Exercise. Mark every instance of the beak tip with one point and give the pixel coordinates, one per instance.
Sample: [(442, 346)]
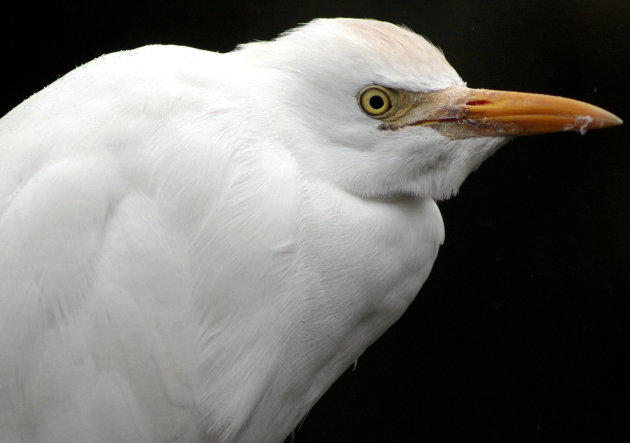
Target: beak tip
[(591, 117), (599, 120), (609, 120), (617, 121)]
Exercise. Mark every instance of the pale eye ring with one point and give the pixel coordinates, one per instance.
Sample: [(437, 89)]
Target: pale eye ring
[(375, 100)]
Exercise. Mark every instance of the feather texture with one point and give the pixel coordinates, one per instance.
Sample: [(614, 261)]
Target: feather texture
[(181, 258)]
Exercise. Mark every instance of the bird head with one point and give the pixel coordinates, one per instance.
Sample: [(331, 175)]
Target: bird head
[(377, 110)]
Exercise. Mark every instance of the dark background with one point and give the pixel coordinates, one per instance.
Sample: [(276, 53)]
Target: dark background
[(521, 332)]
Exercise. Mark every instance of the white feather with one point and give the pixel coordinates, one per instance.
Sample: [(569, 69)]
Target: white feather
[(194, 245)]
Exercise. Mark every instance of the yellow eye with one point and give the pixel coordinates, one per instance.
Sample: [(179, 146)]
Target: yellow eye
[(375, 100)]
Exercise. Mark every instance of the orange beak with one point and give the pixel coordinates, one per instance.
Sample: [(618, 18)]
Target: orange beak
[(460, 112)]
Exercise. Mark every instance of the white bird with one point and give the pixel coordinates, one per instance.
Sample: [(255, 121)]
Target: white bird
[(194, 246)]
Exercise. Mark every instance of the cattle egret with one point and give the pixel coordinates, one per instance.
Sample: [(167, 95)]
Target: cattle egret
[(195, 245)]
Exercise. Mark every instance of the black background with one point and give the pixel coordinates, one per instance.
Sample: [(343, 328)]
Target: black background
[(521, 332)]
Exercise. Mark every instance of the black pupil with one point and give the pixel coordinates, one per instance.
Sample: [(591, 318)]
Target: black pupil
[(377, 102)]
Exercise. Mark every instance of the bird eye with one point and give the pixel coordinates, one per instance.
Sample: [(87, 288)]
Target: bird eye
[(375, 101)]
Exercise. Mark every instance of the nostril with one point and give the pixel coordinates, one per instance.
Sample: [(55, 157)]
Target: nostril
[(477, 102)]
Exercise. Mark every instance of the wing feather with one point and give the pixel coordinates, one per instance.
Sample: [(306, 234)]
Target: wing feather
[(121, 211)]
